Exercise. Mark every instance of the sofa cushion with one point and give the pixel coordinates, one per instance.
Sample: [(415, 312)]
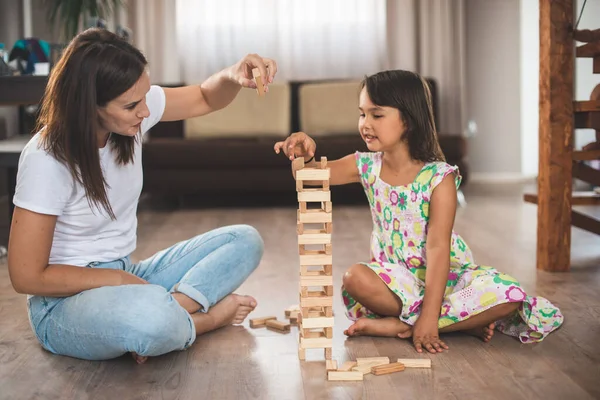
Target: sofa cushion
[(329, 108), (248, 115)]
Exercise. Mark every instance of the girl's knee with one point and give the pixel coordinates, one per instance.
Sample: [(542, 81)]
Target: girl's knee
[(356, 278)]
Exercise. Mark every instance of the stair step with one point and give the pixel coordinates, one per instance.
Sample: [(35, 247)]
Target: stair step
[(577, 199), (587, 105), (586, 35), (588, 50), (586, 155)]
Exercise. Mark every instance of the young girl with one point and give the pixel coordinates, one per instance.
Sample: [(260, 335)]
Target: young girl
[(422, 279), (74, 225)]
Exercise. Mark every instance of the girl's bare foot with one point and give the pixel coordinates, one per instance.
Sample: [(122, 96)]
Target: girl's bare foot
[(139, 359), (387, 327), (486, 333), (233, 309)]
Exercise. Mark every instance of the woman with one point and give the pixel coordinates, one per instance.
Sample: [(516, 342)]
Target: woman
[(74, 225)]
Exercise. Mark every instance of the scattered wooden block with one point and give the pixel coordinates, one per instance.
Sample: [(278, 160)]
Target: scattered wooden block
[(291, 309), (278, 325), (387, 368), (415, 362), (365, 368), (372, 360), (260, 322), (344, 376), (259, 83), (347, 366), (330, 365)]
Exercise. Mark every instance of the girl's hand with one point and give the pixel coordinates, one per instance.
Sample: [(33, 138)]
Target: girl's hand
[(298, 144), (241, 72), (425, 335)]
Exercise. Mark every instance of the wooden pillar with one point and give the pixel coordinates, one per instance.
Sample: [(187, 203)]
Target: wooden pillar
[(555, 135)]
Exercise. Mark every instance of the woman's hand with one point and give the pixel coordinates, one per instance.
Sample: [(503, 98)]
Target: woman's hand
[(241, 72), (298, 144), (425, 335)]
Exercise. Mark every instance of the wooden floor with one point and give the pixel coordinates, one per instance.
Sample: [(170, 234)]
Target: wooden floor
[(239, 362)]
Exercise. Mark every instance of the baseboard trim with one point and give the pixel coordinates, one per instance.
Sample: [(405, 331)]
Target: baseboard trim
[(502, 177)]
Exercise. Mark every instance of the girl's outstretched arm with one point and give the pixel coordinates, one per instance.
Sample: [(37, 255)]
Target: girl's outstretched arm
[(442, 211), (299, 144)]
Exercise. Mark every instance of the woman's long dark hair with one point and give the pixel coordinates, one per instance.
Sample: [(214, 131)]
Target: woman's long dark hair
[(409, 93), (95, 68)]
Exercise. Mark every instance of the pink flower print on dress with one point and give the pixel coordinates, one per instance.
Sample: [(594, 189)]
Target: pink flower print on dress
[(515, 294), (414, 262), (394, 197), (413, 196), (445, 310), (385, 277), (415, 307)]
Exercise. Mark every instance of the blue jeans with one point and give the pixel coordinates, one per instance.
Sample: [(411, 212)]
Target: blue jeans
[(109, 321)]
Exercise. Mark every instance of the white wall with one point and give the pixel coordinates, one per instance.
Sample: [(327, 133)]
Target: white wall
[(530, 75), (493, 88)]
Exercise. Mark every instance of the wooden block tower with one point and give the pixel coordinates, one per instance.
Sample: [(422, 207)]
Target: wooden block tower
[(315, 319)]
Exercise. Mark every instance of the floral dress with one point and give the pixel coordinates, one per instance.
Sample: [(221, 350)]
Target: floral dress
[(398, 257)]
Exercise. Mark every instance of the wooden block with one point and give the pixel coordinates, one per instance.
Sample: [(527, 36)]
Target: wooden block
[(365, 368), (315, 343), (259, 82), (415, 362), (278, 325), (260, 322), (297, 164), (347, 366), (315, 217), (319, 322), (314, 238), (301, 354), (329, 311), (317, 301), (299, 186), (314, 195), (327, 206), (329, 227), (323, 162), (325, 185), (294, 308), (344, 376), (318, 259), (387, 369), (300, 228), (372, 360), (313, 174), (330, 365), (328, 353), (328, 248), (319, 280)]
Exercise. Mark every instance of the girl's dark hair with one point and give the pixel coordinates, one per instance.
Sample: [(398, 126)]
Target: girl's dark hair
[(95, 68), (409, 93)]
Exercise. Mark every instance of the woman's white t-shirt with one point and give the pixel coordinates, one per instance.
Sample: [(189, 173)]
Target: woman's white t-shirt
[(85, 233)]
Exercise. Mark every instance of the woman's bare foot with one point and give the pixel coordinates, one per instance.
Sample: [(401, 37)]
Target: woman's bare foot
[(139, 359), (486, 333), (233, 309), (387, 327)]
